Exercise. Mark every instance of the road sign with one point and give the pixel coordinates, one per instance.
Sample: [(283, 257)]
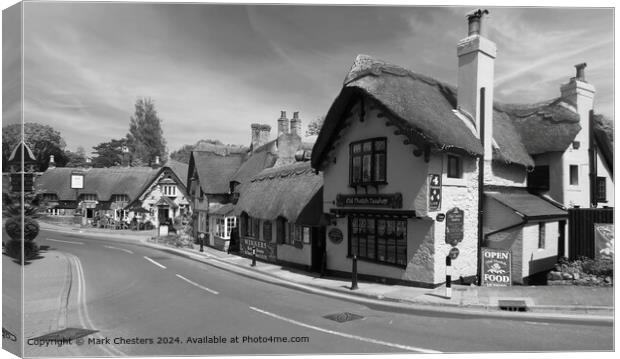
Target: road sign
[(434, 192)]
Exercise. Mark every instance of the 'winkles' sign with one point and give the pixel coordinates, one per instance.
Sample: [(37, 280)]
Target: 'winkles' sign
[(496, 267)]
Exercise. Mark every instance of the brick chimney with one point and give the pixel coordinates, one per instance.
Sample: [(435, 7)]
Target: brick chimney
[(296, 124), (260, 135), (283, 124), (476, 63)]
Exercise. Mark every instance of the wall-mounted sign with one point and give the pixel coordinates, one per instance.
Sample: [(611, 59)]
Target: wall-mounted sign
[(264, 250), (454, 226), (77, 180), (392, 200), (496, 264), (454, 253), (434, 192), (440, 217), (335, 235)]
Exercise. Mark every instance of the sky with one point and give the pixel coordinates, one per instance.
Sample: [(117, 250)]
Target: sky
[(212, 70)]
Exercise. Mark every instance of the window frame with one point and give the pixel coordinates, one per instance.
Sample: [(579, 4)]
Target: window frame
[(398, 241), (542, 235), (459, 163), (601, 189), (573, 181), (373, 152)]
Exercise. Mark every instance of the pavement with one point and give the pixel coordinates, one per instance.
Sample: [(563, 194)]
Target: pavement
[(574, 303)]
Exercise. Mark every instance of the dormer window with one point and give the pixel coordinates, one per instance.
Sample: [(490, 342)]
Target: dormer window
[(368, 162)]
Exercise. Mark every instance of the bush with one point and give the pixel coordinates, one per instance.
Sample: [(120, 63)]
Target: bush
[(13, 228), (602, 267), (14, 249)]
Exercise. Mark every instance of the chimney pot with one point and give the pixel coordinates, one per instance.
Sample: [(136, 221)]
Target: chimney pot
[(474, 20), (581, 73)]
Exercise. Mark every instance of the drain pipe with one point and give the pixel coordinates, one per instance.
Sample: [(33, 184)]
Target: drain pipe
[(481, 187)]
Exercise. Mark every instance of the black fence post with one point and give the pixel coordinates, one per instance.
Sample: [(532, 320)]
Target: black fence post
[(354, 274), (253, 256), (448, 277)]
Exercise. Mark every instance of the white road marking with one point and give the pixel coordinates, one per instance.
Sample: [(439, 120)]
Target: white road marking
[(120, 249), (350, 336), (536, 323), (83, 316), (58, 240), (152, 261), (197, 285)]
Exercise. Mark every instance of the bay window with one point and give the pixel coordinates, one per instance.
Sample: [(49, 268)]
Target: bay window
[(378, 239)]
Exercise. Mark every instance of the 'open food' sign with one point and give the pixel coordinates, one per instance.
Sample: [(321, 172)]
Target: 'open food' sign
[(496, 267)]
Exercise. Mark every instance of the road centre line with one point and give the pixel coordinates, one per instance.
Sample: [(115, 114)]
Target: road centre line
[(350, 336), (152, 261), (58, 240), (120, 249), (197, 285)]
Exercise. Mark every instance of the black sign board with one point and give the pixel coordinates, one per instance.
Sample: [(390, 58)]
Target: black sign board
[(434, 192), (454, 253), (454, 226), (392, 200), (496, 264), (264, 250), (440, 217), (335, 235)]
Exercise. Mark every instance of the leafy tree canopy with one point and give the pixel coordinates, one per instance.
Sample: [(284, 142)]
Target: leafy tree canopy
[(108, 154), (43, 140), (314, 127), (146, 138), (182, 154)]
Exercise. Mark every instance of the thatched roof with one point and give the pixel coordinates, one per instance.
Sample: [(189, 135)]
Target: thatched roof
[(544, 127), (604, 138), (423, 108), (292, 191), (214, 171), (180, 169), (264, 157), (104, 182)]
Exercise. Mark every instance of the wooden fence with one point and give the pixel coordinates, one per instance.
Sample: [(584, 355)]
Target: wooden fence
[(581, 229)]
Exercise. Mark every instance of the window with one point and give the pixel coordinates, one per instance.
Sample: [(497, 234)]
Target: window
[(298, 233), (539, 178), (224, 226), (455, 168), (574, 175), (120, 198), (169, 190), (378, 239), (50, 197), (368, 162), (89, 197), (250, 225), (282, 231), (601, 189), (267, 228), (541, 235)]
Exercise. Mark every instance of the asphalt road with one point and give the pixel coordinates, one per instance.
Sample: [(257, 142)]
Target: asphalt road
[(127, 291)]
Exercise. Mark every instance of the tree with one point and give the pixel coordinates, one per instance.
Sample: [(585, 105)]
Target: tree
[(108, 154), (146, 138), (182, 154), (76, 159), (43, 140), (314, 127)]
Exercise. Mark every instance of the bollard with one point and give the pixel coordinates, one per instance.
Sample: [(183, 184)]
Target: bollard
[(448, 277), (253, 256), (354, 274)]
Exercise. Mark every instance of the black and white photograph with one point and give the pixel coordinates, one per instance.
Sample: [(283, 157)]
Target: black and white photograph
[(241, 179)]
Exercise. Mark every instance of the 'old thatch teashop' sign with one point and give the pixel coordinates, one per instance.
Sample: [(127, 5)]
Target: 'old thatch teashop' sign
[(392, 200), (454, 226), (496, 267)]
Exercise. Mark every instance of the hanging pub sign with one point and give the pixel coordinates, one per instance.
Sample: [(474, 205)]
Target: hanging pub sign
[(454, 226), (496, 265), (77, 180), (392, 200), (434, 192)]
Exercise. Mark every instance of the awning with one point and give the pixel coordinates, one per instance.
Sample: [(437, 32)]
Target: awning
[(165, 201), (527, 205)]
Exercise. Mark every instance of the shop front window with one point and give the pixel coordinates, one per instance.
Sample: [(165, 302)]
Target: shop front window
[(378, 239), (368, 162)]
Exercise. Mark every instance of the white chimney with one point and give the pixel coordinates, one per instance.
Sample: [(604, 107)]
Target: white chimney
[(476, 58), (579, 93), (52, 163)]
